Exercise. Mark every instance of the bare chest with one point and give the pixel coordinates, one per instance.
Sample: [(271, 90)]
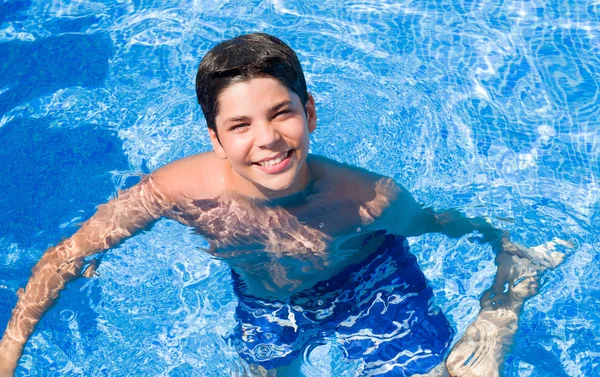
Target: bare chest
[(275, 249), (237, 223)]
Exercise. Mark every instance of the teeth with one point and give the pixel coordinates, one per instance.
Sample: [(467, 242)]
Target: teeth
[(274, 161)]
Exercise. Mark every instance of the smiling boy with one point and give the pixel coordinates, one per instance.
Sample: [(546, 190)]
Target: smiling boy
[(316, 248)]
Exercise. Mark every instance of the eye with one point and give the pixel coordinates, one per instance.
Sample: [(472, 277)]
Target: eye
[(282, 112), (239, 127)]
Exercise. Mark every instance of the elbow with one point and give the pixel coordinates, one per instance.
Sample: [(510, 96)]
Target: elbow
[(57, 267)]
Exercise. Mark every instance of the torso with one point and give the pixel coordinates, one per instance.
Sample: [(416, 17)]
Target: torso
[(282, 249)]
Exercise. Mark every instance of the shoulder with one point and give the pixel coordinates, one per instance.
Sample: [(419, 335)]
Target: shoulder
[(370, 192), (352, 184), (196, 176), (340, 174), (378, 197)]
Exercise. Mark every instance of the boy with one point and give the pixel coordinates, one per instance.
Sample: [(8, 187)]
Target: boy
[(315, 247)]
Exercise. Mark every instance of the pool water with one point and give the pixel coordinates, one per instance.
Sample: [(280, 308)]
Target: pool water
[(490, 107)]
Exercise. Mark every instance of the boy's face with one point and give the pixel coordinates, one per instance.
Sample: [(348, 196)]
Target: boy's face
[(264, 134)]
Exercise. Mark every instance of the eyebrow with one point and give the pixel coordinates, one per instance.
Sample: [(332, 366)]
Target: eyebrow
[(244, 118), (237, 119), (279, 106)]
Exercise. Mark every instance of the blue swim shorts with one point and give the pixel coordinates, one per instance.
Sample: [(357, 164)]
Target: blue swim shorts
[(379, 310)]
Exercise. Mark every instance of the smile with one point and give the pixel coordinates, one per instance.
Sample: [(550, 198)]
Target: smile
[(276, 163), (275, 160)]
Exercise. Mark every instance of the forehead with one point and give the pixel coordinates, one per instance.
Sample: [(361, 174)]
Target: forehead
[(249, 96)]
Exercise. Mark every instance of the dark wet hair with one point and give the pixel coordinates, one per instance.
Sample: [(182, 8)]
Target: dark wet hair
[(243, 58)]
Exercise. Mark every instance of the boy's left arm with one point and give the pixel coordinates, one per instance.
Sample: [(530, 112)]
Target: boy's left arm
[(404, 216)]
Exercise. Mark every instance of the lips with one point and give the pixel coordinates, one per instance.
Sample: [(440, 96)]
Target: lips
[(275, 164), (270, 161)]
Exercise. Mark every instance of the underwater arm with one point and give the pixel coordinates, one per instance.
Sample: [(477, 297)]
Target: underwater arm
[(455, 224), (451, 223), (406, 217), (112, 223)]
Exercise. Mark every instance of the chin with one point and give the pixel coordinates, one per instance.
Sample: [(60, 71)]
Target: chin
[(278, 188), (279, 185)]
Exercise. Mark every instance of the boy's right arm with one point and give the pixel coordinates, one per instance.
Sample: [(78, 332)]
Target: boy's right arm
[(113, 222)]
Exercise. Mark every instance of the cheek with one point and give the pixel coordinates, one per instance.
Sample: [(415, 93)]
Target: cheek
[(305, 137), (238, 152), (300, 134)]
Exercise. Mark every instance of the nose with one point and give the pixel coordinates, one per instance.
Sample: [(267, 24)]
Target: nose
[(266, 135)]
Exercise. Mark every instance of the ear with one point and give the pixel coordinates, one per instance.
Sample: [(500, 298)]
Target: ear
[(214, 139), (311, 113)]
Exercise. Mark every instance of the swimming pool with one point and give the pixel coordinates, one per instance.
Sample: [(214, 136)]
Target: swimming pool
[(490, 107)]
